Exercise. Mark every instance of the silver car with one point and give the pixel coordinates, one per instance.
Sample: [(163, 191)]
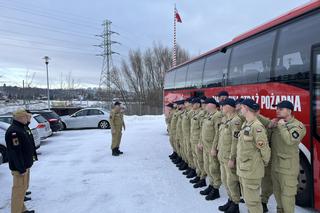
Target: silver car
[(3, 147), (43, 126), (87, 118), (33, 126)]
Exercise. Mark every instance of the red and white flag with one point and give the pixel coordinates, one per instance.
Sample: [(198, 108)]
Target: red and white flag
[(178, 18)]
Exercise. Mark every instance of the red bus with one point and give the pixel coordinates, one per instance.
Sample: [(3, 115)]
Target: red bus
[(279, 60)]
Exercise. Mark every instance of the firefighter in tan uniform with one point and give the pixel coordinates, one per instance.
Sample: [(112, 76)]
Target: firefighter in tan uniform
[(195, 131), (253, 154), (227, 150), (209, 134), (169, 115), (287, 133), (199, 146), (179, 136), (116, 123), (266, 183), (173, 133), (186, 123)]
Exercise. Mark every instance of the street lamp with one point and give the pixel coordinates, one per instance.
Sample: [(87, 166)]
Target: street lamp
[(46, 60)]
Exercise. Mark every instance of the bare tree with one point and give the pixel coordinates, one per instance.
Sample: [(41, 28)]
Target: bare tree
[(143, 74)]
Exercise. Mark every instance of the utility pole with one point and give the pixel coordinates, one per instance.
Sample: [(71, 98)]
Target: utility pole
[(107, 42), (46, 61)]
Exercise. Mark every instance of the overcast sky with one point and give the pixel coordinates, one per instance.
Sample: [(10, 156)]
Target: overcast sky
[(65, 31)]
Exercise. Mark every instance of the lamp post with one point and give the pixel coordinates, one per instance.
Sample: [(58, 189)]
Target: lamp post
[(46, 60)]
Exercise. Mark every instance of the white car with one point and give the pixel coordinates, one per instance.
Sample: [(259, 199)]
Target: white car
[(87, 118), (43, 126), (37, 122), (3, 147)]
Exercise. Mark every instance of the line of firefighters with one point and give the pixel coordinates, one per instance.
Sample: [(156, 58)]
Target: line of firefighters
[(230, 143)]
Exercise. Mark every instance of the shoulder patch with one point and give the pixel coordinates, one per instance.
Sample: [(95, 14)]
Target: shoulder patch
[(259, 130), (15, 141), (295, 134), (260, 144), (236, 134)]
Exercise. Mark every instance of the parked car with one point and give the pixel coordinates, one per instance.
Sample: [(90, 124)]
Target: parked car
[(87, 118), (6, 120), (43, 126), (52, 117), (3, 147)]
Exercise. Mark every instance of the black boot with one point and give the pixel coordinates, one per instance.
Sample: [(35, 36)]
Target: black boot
[(187, 171), (27, 198), (114, 152), (177, 160), (180, 164), (29, 211), (265, 207), (200, 183), (195, 180), (28, 193), (119, 152), (214, 194), (233, 208), (225, 206), (191, 174), (173, 155), (183, 167), (207, 190)]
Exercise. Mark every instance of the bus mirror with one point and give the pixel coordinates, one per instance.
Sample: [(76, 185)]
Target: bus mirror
[(223, 50)]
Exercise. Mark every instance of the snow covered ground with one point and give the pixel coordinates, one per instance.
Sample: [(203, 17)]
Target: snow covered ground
[(77, 174)]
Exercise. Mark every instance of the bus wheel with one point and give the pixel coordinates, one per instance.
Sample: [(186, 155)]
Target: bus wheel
[(304, 193)]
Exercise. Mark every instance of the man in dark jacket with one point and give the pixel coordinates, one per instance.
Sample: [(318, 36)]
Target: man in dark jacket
[(20, 155)]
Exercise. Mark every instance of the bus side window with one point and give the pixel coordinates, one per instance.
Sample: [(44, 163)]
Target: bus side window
[(251, 60), (293, 51)]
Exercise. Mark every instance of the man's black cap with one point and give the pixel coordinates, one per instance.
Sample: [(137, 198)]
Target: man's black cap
[(117, 103), (189, 100), (170, 105), (196, 101), (223, 93), (229, 101), (284, 104), (239, 100), (203, 98), (180, 102), (251, 104), (212, 101)]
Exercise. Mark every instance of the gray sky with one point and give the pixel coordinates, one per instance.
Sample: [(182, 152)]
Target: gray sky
[(65, 31)]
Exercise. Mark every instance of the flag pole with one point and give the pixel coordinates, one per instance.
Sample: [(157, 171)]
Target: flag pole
[(174, 60)]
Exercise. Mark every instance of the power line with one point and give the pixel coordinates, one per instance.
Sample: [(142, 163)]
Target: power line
[(40, 24), (47, 38), (55, 12), (41, 43), (46, 49), (28, 24), (30, 12)]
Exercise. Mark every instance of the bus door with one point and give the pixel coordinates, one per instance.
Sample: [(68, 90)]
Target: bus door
[(315, 122)]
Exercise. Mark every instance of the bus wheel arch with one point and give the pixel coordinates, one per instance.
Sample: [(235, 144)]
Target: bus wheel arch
[(304, 193)]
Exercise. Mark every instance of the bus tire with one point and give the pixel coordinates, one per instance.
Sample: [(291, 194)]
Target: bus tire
[(304, 193)]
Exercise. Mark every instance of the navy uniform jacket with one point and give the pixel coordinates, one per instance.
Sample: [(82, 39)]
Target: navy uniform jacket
[(20, 147)]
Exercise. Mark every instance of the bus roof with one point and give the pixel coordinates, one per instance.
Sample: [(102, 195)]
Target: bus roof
[(277, 21)]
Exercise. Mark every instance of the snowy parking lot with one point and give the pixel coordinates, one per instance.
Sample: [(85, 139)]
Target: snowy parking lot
[(77, 174)]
